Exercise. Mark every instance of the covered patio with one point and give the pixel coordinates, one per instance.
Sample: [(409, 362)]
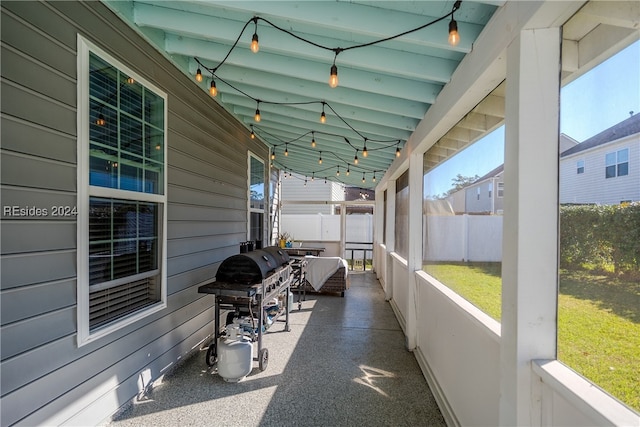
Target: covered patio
[(134, 163), (344, 363)]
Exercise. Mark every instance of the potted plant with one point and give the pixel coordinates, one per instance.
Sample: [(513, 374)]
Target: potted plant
[(284, 238)]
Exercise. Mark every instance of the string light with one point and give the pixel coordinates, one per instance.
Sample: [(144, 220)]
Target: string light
[(398, 149), (355, 159), (363, 180), (374, 177), (273, 155), (454, 37), (365, 153), (320, 159), (213, 90), (313, 140), (255, 47), (257, 116), (333, 76), (286, 150), (338, 171), (323, 116), (348, 170)]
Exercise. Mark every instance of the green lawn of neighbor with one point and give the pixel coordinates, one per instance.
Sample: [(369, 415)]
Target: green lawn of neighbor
[(598, 321)]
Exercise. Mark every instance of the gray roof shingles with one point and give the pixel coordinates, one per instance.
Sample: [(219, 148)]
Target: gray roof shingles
[(626, 127)]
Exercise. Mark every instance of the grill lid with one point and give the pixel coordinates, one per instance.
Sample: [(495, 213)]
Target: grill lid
[(280, 256), (246, 268)]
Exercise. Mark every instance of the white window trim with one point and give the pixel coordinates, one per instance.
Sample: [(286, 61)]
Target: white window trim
[(264, 210), (84, 336)]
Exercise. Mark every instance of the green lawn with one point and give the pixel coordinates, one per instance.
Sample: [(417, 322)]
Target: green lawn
[(598, 321)]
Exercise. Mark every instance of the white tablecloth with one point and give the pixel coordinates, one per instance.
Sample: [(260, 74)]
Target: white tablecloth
[(319, 269)]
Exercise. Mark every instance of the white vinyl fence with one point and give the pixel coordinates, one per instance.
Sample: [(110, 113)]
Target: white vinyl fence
[(476, 238)]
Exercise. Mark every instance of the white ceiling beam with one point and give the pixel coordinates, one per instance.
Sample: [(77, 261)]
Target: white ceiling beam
[(356, 117), (244, 78), (337, 127), (364, 23), (207, 29), (290, 67)]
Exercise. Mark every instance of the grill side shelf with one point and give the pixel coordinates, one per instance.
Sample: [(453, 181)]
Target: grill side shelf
[(228, 289)]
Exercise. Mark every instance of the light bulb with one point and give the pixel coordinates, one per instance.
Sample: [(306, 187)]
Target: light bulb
[(355, 159), (320, 159), (198, 75), (365, 153), (273, 155), (347, 170), (333, 78), (454, 37), (397, 151), (338, 172), (130, 80), (286, 151), (255, 47), (323, 117), (100, 121), (257, 116), (213, 90), (253, 135)]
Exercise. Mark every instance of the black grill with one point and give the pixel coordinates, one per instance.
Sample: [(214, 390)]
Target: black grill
[(251, 267)]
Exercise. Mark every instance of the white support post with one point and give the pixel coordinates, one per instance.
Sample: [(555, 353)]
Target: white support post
[(390, 238), (414, 259), (530, 245)]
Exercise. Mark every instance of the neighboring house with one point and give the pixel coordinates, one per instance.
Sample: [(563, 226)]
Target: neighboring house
[(604, 169), (485, 195), (310, 189)]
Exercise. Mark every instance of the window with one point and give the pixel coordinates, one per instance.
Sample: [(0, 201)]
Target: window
[(490, 189), (401, 242), (598, 290), (121, 195), (617, 163), (580, 166), (462, 245), (256, 199), (501, 189)]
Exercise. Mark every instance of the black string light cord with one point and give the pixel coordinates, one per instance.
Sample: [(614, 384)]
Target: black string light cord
[(336, 51), (303, 147)]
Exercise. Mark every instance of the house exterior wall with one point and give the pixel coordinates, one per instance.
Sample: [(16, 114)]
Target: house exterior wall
[(592, 186), (293, 189), (47, 379), (479, 198)]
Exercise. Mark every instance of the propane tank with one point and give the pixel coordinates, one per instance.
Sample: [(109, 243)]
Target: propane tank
[(235, 355)]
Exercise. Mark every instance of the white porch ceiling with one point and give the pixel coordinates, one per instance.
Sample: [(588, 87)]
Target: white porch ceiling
[(385, 89)]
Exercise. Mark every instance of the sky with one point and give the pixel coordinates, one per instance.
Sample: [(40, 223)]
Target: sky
[(590, 104)]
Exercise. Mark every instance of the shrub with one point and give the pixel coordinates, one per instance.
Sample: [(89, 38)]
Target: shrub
[(600, 237)]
